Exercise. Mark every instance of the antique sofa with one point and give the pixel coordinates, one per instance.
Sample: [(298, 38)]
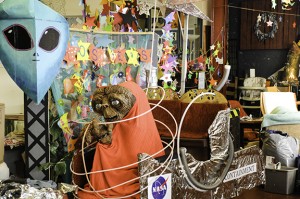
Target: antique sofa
[(194, 131)]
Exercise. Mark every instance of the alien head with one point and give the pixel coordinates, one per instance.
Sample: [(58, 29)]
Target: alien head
[(33, 41)]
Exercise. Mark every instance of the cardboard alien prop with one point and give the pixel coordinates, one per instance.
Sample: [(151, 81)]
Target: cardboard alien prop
[(33, 41)]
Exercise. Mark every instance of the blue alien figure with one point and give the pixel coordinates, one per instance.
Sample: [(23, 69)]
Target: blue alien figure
[(33, 42)]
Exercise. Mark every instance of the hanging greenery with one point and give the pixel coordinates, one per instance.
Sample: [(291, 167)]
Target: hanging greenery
[(270, 20)]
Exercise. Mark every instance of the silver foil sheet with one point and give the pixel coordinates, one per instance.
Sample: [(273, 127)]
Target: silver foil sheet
[(229, 189), (24, 191)]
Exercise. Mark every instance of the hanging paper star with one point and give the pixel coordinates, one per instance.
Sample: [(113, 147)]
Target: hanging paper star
[(212, 47), (106, 9), (215, 53), (207, 61), (212, 82), (200, 59), (211, 68), (127, 18), (70, 56), (145, 55), (132, 57), (103, 41), (83, 55), (130, 39), (259, 18), (170, 17), (117, 18), (167, 67), (107, 28), (166, 78), (90, 22), (273, 4), (171, 58), (167, 27), (280, 19), (190, 75), (218, 45), (144, 7), (269, 23), (120, 58), (219, 60)]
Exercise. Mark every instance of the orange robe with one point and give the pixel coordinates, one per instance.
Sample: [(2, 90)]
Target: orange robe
[(128, 140)]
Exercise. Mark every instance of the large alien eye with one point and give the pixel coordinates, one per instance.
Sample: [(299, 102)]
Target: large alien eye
[(18, 37), (115, 102), (49, 40)]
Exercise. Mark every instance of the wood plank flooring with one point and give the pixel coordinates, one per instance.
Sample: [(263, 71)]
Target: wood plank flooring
[(259, 193)]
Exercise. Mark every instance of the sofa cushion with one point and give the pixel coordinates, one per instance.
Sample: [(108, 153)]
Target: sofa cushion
[(160, 114), (198, 119)]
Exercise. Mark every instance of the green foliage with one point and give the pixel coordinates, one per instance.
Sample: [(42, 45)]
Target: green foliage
[(58, 153)]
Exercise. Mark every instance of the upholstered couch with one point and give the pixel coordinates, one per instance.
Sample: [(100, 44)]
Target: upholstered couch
[(194, 131)]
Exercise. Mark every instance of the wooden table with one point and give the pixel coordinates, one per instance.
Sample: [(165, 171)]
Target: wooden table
[(254, 124)]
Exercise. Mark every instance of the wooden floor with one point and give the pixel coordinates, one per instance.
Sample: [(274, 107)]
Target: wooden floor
[(259, 193)]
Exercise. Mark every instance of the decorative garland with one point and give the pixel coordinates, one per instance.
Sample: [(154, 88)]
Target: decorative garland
[(270, 19)]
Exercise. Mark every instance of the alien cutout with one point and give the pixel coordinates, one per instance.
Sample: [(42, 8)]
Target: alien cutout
[(120, 144), (33, 41)]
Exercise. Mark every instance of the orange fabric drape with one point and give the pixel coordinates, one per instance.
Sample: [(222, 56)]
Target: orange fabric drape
[(128, 140)]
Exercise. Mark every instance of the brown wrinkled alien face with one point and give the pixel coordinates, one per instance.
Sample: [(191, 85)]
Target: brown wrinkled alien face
[(113, 102)]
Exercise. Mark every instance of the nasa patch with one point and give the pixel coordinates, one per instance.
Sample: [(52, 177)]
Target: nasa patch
[(160, 187)]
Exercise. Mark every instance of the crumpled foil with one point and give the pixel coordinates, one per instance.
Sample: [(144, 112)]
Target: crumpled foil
[(24, 191), (230, 189)]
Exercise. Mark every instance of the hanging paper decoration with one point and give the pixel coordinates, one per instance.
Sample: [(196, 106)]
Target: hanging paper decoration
[(120, 58), (33, 43), (82, 54), (287, 4), (270, 20), (145, 55), (132, 57), (274, 4)]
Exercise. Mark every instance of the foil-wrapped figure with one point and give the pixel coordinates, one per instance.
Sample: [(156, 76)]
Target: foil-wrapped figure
[(291, 68)]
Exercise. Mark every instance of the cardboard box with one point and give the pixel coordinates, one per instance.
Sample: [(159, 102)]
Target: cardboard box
[(281, 181)]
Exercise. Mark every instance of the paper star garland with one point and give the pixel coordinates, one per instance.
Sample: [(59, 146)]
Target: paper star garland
[(70, 56), (90, 22), (212, 47), (132, 57), (103, 41), (83, 55), (145, 55)]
